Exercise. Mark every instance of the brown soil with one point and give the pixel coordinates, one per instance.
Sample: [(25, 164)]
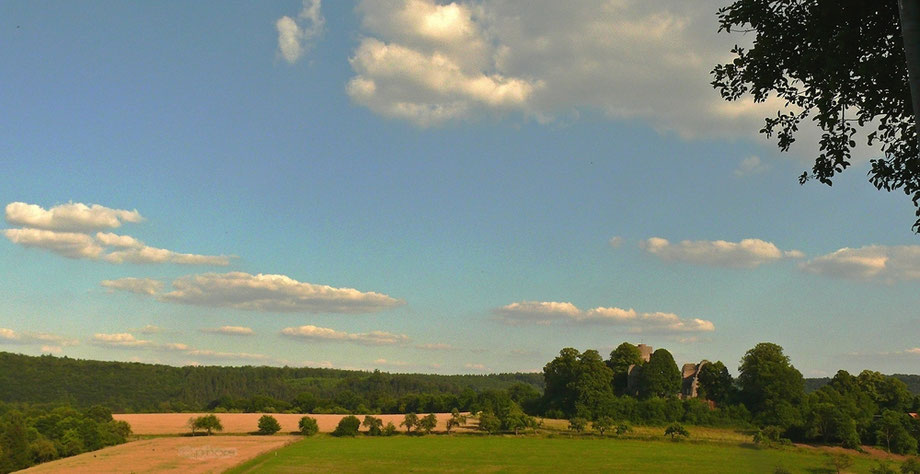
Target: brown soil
[(198, 455)]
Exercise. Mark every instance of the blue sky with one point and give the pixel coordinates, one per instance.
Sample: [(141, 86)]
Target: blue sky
[(456, 188)]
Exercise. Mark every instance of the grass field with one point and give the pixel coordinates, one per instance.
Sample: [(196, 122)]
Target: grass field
[(470, 453)]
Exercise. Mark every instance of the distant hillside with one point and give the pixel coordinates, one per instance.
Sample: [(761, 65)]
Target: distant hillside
[(137, 387), (912, 381)]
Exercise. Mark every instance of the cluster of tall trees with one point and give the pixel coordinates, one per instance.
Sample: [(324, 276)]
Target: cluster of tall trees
[(769, 391), (32, 434)]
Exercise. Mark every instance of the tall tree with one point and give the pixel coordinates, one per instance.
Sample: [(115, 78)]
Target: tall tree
[(660, 376), (621, 359), (840, 63), (770, 385), (716, 383)]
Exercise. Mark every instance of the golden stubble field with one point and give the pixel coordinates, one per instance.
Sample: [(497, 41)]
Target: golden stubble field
[(241, 423), (192, 455)]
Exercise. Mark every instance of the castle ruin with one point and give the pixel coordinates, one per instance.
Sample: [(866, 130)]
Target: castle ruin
[(689, 386)]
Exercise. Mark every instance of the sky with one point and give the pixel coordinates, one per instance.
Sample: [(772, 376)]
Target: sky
[(420, 186)]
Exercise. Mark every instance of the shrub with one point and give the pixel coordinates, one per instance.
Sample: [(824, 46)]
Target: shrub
[(389, 429), (348, 426), (268, 425), (676, 431), (374, 425), (308, 426), (578, 424), (911, 466), (410, 421), (839, 462), (602, 424), (623, 428)]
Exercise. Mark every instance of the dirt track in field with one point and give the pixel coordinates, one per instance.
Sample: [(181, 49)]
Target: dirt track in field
[(198, 455), (177, 423)]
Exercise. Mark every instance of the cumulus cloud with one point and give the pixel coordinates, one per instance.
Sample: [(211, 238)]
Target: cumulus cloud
[(296, 35), (277, 293), (872, 262), (73, 216), (64, 230), (545, 313), (748, 253), (537, 312), (430, 62), (141, 286), (230, 330), (373, 338), (10, 336), (119, 340)]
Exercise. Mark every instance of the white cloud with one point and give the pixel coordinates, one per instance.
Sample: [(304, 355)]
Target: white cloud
[(69, 217), (545, 313), (230, 330), (296, 36), (141, 286), (273, 293), (65, 244), (537, 312), (616, 242), (915, 350), (872, 262), (428, 62), (51, 340), (150, 329), (750, 166), (748, 253), (373, 338), (226, 355), (52, 349), (56, 230), (119, 340)]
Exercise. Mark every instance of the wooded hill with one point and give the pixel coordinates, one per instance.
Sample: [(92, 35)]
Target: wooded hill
[(138, 387)]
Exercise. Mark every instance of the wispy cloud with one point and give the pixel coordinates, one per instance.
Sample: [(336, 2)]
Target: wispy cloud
[(551, 312), (10, 336), (873, 262), (230, 331), (748, 253), (750, 166), (141, 286), (373, 338), (296, 35), (276, 293)]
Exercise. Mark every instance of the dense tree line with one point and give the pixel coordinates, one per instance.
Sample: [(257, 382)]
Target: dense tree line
[(769, 393), (136, 387), (32, 434)]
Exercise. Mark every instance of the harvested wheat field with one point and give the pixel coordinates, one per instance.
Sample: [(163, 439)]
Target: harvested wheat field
[(177, 423), (198, 455)]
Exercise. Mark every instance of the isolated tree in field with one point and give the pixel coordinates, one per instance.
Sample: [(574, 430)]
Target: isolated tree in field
[(660, 376), (410, 421), (676, 431), (268, 425), (602, 424), (770, 386), (209, 423), (308, 426), (489, 423), (839, 462), (428, 423), (621, 358), (373, 424), (841, 64), (455, 420), (389, 429), (578, 424), (348, 426), (623, 428)]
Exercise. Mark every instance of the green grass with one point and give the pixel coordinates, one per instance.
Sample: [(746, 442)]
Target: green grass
[(470, 453)]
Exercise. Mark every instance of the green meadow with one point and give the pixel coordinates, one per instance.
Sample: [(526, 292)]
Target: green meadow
[(471, 453)]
